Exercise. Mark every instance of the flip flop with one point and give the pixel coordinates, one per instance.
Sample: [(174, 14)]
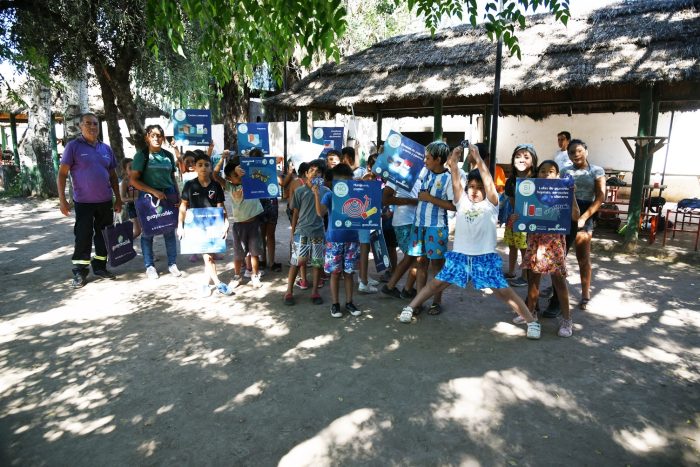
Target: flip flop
[(435, 309)]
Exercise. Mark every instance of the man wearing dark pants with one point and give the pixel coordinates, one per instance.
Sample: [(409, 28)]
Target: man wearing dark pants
[(91, 165)]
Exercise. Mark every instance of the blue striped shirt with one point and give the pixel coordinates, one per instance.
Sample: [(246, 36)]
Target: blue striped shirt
[(439, 186)]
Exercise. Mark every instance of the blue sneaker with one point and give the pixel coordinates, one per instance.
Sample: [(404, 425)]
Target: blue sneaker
[(224, 289)]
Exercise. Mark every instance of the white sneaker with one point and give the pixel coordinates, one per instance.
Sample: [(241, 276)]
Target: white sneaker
[(174, 270), (151, 272), (519, 320), (205, 291), (534, 330), (406, 314), (373, 282), (235, 282), (367, 288), (255, 281), (566, 328), (248, 273)]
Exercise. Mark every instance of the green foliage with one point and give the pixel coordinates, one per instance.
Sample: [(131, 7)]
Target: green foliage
[(498, 23), (23, 183)]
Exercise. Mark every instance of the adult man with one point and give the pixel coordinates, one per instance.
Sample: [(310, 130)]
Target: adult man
[(562, 157), (91, 165)]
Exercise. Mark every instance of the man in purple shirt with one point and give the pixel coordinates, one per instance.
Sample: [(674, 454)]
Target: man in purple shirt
[(91, 165)]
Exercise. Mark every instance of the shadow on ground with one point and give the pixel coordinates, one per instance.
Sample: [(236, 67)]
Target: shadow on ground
[(139, 373)]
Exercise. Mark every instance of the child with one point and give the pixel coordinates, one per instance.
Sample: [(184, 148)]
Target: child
[(301, 281), (546, 254), (307, 233), (366, 284), (332, 159), (268, 226), (129, 195), (342, 247), (246, 226), (474, 254), (429, 236), (523, 163), (387, 221), (203, 192)]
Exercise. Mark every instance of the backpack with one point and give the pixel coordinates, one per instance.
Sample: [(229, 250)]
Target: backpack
[(167, 153)]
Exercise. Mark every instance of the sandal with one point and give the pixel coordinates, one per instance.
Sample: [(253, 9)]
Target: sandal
[(435, 309), (508, 275), (276, 267), (583, 304)]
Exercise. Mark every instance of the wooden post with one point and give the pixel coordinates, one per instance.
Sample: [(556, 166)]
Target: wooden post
[(379, 129), (487, 126), (654, 124), (304, 125), (13, 132), (437, 120), (4, 138), (640, 161)]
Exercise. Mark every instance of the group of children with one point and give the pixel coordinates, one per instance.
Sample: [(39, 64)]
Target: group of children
[(415, 220)]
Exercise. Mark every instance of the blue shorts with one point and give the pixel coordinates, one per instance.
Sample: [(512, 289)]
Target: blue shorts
[(485, 271), (341, 257), (430, 242)]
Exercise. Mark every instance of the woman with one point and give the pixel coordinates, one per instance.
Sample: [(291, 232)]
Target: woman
[(590, 193), (153, 172)]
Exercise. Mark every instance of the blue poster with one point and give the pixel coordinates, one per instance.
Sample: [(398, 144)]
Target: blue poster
[(379, 250), (204, 230), (260, 179), (401, 161), (329, 138), (543, 205), (357, 204), (192, 127), (253, 135)]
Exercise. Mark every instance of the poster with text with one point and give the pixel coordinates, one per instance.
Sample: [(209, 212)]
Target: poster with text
[(379, 251), (329, 138), (543, 205), (357, 204), (203, 231), (192, 127), (260, 179), (253, 135), (401, 161)]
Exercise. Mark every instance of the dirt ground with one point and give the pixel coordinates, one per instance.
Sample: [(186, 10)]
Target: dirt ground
[(137, 372)]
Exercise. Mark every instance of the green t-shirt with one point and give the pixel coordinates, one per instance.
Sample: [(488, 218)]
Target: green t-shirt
[(159, 172)]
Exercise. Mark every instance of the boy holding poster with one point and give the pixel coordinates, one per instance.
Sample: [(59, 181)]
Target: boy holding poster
[(246, 226), (342, 247), (203, 192), (474, 256)]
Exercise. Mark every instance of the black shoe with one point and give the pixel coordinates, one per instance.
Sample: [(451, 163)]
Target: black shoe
[(394, 292), (104, 274), (78, 281), (552, 310), (408, 294), (335, 311), (352, 309)]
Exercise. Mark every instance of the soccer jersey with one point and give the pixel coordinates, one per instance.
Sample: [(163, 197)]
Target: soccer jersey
[(90, 166), (405, 214), (198, 196), (475, 230), (439, 186)]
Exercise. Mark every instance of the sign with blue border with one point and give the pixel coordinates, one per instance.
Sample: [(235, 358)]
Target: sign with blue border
[(260, 179), (329, 138), (543, 205), (192, 127), (357, 204), (204, 230), (253, 135), (379, 250), (401, 161)]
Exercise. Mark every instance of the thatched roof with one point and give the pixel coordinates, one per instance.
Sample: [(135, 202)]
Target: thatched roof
[(596, 64)]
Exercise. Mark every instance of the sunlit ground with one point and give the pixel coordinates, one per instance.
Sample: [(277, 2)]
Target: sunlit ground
[(139, 372)]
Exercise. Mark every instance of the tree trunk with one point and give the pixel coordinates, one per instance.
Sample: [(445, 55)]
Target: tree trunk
[(234, 109), (76, 103), (40, 167), (111, 116)]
